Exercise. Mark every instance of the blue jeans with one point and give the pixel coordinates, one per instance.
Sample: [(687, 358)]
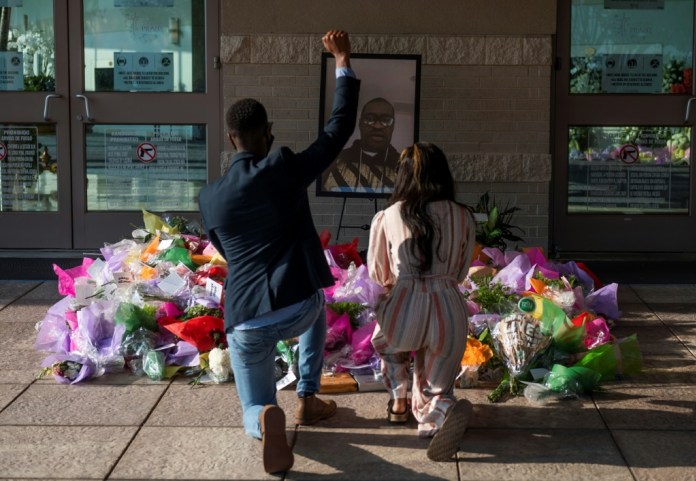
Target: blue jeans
[(253, 359)]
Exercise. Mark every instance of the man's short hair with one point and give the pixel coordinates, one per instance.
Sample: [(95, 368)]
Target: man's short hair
[(246, 116)]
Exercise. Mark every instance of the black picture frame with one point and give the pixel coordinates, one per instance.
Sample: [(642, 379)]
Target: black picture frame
[(386, 80)]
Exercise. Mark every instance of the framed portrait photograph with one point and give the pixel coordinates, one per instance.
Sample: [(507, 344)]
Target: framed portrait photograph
[(387, 123)]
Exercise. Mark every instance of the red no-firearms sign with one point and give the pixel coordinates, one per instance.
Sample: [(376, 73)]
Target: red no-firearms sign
[(146, 152), (629, 154)]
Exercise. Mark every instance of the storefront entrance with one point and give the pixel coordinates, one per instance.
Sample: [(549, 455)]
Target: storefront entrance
[(623, 179), (107, 107)]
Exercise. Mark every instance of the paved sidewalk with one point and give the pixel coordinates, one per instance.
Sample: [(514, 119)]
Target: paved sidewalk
[(124, 427)]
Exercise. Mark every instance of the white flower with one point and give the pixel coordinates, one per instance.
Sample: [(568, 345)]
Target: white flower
[(30, 42), (219, 364)]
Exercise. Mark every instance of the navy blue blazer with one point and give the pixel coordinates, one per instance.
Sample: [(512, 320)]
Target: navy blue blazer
[(258, 217)]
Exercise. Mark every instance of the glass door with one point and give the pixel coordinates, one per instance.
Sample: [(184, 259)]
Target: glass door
[(35, 198), (146, 111), (623, 180), (134, 111)]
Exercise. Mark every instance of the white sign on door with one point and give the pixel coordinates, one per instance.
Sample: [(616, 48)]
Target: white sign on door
[(11, 71), (143, 71), (632, 73)]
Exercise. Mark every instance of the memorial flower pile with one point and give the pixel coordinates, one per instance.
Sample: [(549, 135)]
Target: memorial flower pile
[(153, 304)]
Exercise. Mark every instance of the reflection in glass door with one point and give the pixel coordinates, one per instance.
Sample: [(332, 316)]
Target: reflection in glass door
[(623, 154), (125, 122)]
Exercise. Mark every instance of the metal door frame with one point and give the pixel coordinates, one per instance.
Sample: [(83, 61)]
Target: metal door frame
[(577, 233), (94, 228)]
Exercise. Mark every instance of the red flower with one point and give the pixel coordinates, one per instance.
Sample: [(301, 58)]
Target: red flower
[(344, 254), (205, 332)]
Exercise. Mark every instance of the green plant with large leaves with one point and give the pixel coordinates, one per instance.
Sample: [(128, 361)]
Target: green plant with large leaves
[(497, 231)]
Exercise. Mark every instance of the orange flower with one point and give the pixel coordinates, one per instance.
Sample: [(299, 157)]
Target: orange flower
[(476, 353)]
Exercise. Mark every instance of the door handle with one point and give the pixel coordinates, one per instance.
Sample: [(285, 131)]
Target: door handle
[(46, 100), (87, 111), (688, 109)]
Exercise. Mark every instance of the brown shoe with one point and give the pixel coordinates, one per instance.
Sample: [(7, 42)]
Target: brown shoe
[(277, 455), (445, 443), (311, 410)]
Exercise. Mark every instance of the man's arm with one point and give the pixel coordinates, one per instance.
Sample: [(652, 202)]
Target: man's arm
[(318, 156)]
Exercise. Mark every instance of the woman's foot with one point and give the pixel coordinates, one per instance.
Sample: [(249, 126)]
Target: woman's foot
[(400, 405), (397, 410), (445, 443)]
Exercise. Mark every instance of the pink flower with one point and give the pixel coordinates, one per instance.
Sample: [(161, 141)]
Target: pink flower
[(597, 333)]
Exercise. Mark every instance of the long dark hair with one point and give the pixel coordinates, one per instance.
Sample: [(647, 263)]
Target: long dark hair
[(423, 176)]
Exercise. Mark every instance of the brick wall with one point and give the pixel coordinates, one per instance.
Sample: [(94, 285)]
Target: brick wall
[(485, 100)]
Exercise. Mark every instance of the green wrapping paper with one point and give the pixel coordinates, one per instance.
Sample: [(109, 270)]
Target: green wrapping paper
[(614, 360), (571, 380), (178, 254), (135, 317), (567, 337), (287, 352)]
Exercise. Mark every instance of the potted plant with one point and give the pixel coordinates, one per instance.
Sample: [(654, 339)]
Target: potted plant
[(497, 230)]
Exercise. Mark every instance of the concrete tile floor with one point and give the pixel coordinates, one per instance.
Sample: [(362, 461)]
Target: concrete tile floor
[(120, 427)]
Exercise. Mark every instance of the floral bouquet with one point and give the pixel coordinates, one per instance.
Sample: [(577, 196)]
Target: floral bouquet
[(518, 339), (68, 368), (535, 313)]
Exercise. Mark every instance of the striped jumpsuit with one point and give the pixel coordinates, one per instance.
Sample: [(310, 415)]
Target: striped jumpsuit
[(425, 314)]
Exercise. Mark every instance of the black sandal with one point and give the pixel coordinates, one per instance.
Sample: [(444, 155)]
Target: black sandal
[(396, 418)]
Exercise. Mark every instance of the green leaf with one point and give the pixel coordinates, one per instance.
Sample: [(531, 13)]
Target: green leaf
[(492, 218)]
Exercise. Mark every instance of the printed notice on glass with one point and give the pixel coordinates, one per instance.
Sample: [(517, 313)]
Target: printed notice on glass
[(11, 71), (632, 73), (145, 170), (641, 188), (634, 4), (18, 167), (143, 3), (143, 71)]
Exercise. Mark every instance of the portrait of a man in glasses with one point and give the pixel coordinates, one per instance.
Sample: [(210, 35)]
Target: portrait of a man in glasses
[(369, 164)]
